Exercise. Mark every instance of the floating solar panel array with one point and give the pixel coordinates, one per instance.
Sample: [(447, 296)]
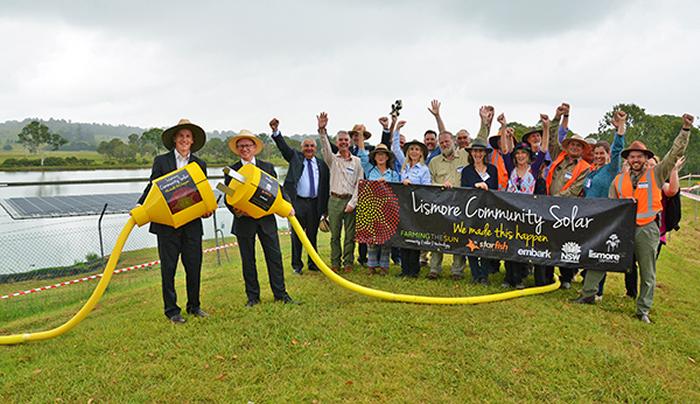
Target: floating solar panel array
[(72, 205)]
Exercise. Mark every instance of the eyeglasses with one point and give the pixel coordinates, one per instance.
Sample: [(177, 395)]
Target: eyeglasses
[(245, 146)]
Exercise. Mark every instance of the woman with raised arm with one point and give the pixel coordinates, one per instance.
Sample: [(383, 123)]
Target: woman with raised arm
[(413, 171)]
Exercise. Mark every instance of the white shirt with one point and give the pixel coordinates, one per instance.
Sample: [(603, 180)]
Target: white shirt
[(180, 160), (243, 162)]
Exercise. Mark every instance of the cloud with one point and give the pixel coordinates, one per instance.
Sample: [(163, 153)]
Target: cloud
[(235, 65)]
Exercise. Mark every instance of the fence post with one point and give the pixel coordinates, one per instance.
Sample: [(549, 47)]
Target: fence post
[(99, 229)]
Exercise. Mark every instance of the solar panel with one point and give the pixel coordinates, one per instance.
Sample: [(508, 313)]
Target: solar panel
[(36, 207)]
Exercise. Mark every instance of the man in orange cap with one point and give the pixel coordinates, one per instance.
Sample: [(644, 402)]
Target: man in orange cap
[(182, 140), (642, 184)]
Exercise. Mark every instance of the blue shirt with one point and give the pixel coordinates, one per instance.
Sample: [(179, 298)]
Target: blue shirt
[(372, 173), (436, 152), (597, 183), (418, 174), (303, 186)]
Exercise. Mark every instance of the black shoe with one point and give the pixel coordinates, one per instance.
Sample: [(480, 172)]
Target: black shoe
[(584, 300), (252, 302), (287, 300), (177, 319), (198, 313)]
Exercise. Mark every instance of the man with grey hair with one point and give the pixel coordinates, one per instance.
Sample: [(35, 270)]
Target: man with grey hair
[(446, 170), (307, 186), (345, 175)]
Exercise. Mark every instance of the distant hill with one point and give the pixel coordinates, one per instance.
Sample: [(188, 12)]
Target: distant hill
[(81, 135)]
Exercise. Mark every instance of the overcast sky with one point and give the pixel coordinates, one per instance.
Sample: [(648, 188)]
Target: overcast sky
[(234, 65)]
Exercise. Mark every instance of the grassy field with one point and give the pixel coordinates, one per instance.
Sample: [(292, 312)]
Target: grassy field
[(340, 346)]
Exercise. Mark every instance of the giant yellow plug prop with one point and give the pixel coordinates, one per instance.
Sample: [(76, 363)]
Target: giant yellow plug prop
[(258, 194), (175, 199)]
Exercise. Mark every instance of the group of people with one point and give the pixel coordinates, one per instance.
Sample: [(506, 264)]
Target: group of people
[(549, 159)]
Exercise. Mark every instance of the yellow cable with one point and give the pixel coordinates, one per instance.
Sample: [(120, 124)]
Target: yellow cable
[(412, 298), (89, 305)]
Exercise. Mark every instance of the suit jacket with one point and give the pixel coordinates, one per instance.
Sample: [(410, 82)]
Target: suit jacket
[(244, 226), (296, 162), (162, 165)]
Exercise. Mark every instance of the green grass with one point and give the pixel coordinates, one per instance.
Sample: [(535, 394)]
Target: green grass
[(340, 346)]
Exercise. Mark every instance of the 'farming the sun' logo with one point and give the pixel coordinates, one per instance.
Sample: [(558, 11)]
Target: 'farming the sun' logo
[(571, 252), (613, 242)]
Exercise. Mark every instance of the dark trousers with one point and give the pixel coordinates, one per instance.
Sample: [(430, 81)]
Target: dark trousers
[(481, 267), (306, 211), (632, 279), (273, 259), (187, 246), (396, 255), (544, 275), (515, 272), (410, 262), (362, 253)]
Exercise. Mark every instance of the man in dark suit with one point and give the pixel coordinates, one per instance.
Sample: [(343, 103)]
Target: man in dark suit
[(247, 145), (307, 187), (182, 140)]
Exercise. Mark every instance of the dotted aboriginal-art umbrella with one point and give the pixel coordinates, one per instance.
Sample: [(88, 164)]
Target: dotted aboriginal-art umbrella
[(377, 212)]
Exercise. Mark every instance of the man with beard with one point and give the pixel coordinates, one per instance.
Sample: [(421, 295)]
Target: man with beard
[(644, 184), (446, 170)]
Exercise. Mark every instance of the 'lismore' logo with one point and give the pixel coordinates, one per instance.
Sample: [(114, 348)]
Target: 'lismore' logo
[(613, 242), (571, 252), (611, 257)]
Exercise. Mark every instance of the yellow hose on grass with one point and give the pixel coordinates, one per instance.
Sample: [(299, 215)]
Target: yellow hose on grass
[(89, 305), (396, 297)]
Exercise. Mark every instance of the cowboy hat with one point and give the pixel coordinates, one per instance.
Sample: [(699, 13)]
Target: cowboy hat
[(382, 148), (535, 129), (245, 134), (495, 142), (423, 148), (576, 138), (198, 135), (637, 146), (478, 144), (360, 128)]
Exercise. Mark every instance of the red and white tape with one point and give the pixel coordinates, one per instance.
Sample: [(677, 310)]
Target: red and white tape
[(116, 271)]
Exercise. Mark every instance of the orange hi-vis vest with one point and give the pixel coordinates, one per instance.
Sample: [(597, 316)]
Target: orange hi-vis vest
[(647, 195), (497, 160), (581, 166)]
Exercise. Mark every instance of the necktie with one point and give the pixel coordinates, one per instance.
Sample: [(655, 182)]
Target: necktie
[(312, 184)]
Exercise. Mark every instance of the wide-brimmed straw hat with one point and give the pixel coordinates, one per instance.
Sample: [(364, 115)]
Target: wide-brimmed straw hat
[(198, 135), (360, 128), (478, 144), (382, 148), (576, 138), (637, 146), (422, 146), (245, 134)]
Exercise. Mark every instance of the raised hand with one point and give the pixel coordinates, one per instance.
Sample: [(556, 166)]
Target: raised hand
[(486, 114), (400, 125), (434, 107), (501, 119), (322, 120), (384, 121), (688, 121), (544, 118), (274, 125), (619, 120)]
